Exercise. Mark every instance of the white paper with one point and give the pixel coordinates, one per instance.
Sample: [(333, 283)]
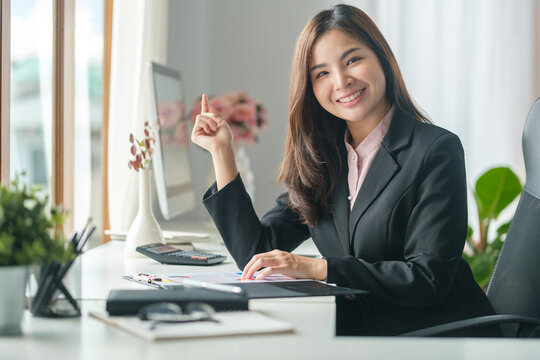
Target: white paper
[(208, 277), (230, 323)]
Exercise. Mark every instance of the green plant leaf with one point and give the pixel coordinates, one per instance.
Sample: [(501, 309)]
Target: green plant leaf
[(494, 255), (29, 231), (472, 245), (496, 245), (503, 229), (482, 266), (470, 231), (495, 190)]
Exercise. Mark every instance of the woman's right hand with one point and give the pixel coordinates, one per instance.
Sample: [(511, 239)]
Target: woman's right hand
[(210, 131), (213, 134)]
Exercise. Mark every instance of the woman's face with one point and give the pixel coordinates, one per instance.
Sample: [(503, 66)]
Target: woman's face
[(348, 80)]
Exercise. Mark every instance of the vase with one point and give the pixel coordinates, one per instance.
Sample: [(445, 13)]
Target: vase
[(145, 228), (244, 168), (12, 298)]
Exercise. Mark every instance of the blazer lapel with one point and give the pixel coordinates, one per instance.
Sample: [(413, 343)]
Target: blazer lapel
[(383, 168), (340, 208)]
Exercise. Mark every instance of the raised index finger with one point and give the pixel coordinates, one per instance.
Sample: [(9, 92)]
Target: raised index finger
[(204, 104)]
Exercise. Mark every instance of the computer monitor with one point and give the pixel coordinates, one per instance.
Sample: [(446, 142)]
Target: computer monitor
[(171, 160)]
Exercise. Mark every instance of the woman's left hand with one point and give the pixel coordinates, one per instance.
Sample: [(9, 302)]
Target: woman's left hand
[(282, 262)]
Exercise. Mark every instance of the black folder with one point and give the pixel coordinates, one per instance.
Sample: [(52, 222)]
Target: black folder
[(129, 302), (284, 289)]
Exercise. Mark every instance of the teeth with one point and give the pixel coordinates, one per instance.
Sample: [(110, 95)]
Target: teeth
[(352, 97)]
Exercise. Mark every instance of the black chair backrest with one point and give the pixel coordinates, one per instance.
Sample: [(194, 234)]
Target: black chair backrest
[(515, 285)]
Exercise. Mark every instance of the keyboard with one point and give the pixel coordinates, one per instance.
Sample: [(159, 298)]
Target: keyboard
[(167, 254)]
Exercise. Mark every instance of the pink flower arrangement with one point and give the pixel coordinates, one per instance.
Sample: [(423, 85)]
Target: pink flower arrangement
[(173, 130), (142, 150), (245, 116)]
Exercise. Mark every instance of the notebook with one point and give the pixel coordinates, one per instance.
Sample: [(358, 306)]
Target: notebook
[(230, 323)]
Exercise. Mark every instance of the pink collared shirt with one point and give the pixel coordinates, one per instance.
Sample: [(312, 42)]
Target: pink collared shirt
[(360, 159)]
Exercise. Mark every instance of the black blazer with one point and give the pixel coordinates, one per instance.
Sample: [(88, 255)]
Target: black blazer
[(402, 241)]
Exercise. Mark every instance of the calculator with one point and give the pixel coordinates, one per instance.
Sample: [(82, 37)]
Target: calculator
[(167, 254)]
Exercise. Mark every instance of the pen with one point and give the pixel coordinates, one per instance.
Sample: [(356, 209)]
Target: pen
[(84, 229), (80, 246), (211, 286), (142, 278)]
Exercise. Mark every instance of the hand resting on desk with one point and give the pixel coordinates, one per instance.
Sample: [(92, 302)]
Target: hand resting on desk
[(282, 262)]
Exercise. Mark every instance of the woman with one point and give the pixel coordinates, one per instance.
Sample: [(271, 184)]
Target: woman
[(379, 189)]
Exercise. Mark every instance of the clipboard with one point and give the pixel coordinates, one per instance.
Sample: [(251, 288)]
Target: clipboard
[(285, 289)]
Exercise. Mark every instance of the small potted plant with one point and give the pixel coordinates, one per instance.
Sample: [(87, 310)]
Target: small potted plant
[(30, 234)]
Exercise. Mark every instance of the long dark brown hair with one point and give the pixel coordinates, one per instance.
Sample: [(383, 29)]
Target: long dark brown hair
[(312, 163)]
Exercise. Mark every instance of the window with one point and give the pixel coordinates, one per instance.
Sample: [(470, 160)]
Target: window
[(88, 112), (52, 113), (31, 91)]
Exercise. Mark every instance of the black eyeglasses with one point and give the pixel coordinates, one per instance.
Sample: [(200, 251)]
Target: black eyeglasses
[(162, 313)]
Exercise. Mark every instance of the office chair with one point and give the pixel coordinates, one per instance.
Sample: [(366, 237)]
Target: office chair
[(514, 288)]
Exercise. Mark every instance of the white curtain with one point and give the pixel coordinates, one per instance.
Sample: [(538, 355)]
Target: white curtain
[(473, 66), (139, 36), (82, 148)]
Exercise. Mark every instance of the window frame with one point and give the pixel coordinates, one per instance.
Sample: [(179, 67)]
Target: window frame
[(62, 174), (63, 104), (107, 43), (5, 60)]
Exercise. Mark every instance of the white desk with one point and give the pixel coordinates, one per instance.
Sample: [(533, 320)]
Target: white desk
[(88, 338)]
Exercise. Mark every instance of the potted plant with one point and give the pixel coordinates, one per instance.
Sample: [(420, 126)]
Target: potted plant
[(494, 191), (30, 234)]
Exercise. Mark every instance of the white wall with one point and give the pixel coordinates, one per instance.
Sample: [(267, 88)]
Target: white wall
[(222, 46)]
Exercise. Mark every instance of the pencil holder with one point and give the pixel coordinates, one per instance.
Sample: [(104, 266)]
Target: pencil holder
[(72, 280), (52, 298)]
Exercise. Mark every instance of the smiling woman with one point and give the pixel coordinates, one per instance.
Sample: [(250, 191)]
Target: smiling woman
[(343, 55), (340, 82), (379, 189)]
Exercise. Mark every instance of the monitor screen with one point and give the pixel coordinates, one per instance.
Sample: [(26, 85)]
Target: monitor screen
[(171, 161)]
